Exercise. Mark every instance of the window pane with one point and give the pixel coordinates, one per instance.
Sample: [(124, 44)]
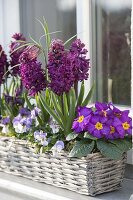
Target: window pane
[(111, 25), (60, 15)]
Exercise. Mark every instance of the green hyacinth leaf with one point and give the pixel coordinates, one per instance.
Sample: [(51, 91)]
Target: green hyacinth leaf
[(81, 94), (89, 96), (51, 112), (72, 108)]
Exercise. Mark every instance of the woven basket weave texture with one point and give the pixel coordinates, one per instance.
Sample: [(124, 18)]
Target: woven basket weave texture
[(92, 175)]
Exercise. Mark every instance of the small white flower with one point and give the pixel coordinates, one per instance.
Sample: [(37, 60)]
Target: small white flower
[(35, 112), (19, 128), (5, 128), (57, 148), (40, 136), (54, 126)]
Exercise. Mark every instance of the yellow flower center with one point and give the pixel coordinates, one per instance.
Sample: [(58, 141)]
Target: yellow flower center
[(98, 126), (126, 126), (112, 130), (118, 115), (104, 113), (80, 119)]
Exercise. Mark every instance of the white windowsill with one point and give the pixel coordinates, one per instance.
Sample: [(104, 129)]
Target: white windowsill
[(21, 187)]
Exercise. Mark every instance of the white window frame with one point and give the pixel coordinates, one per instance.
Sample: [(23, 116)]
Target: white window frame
[(84, 12), (9, 21)]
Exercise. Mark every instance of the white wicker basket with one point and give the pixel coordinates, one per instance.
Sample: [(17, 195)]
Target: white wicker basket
[(92, 175)]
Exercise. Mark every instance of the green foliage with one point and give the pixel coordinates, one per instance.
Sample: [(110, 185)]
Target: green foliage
[(71, 136), (109, 149), (82, 148), (87, 135), (89, 96)]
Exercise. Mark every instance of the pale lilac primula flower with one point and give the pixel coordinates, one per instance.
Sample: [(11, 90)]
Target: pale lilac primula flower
[(5, 125), (57, 148), (5, 120), (5, 128), (40, 136), (54, 126), (35, 112), (19, 128), (22, 124)]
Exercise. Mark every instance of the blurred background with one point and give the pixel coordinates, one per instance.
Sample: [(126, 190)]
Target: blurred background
[(109, 35)]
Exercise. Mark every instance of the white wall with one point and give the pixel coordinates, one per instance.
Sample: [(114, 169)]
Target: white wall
[(9, 21)]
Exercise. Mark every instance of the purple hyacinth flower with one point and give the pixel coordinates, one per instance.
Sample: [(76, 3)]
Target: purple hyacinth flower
[(33, 77), (29, 54), (9, 99), (3, 65), (80, 123), (79, 63), (59, 68), (97, 127), (15, 53)]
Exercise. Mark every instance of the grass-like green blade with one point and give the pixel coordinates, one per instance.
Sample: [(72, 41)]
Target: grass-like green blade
[(51, 112), (70, 39), (44, 113), (57, 108), (65, 107), (71, 110), (89, 96), (28, 102), (81, 94)]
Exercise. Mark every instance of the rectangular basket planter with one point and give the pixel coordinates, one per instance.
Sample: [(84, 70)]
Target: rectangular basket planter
[(92, 175)]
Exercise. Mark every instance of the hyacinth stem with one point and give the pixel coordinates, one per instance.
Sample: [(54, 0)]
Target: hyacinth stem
[(76, 88), (62, 104), (45, 60)]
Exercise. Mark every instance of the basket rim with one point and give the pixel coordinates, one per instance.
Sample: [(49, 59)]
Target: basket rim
[(28, 144)]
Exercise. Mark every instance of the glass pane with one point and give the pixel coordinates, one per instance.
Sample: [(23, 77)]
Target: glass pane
[(60, 15), (111, 25)]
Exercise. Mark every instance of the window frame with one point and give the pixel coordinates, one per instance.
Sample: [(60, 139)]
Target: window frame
[(8, 25), (84, 16)]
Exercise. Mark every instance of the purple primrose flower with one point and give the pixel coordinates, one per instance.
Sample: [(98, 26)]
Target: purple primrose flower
[(106, 121), (97, 126), (80, 123)]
